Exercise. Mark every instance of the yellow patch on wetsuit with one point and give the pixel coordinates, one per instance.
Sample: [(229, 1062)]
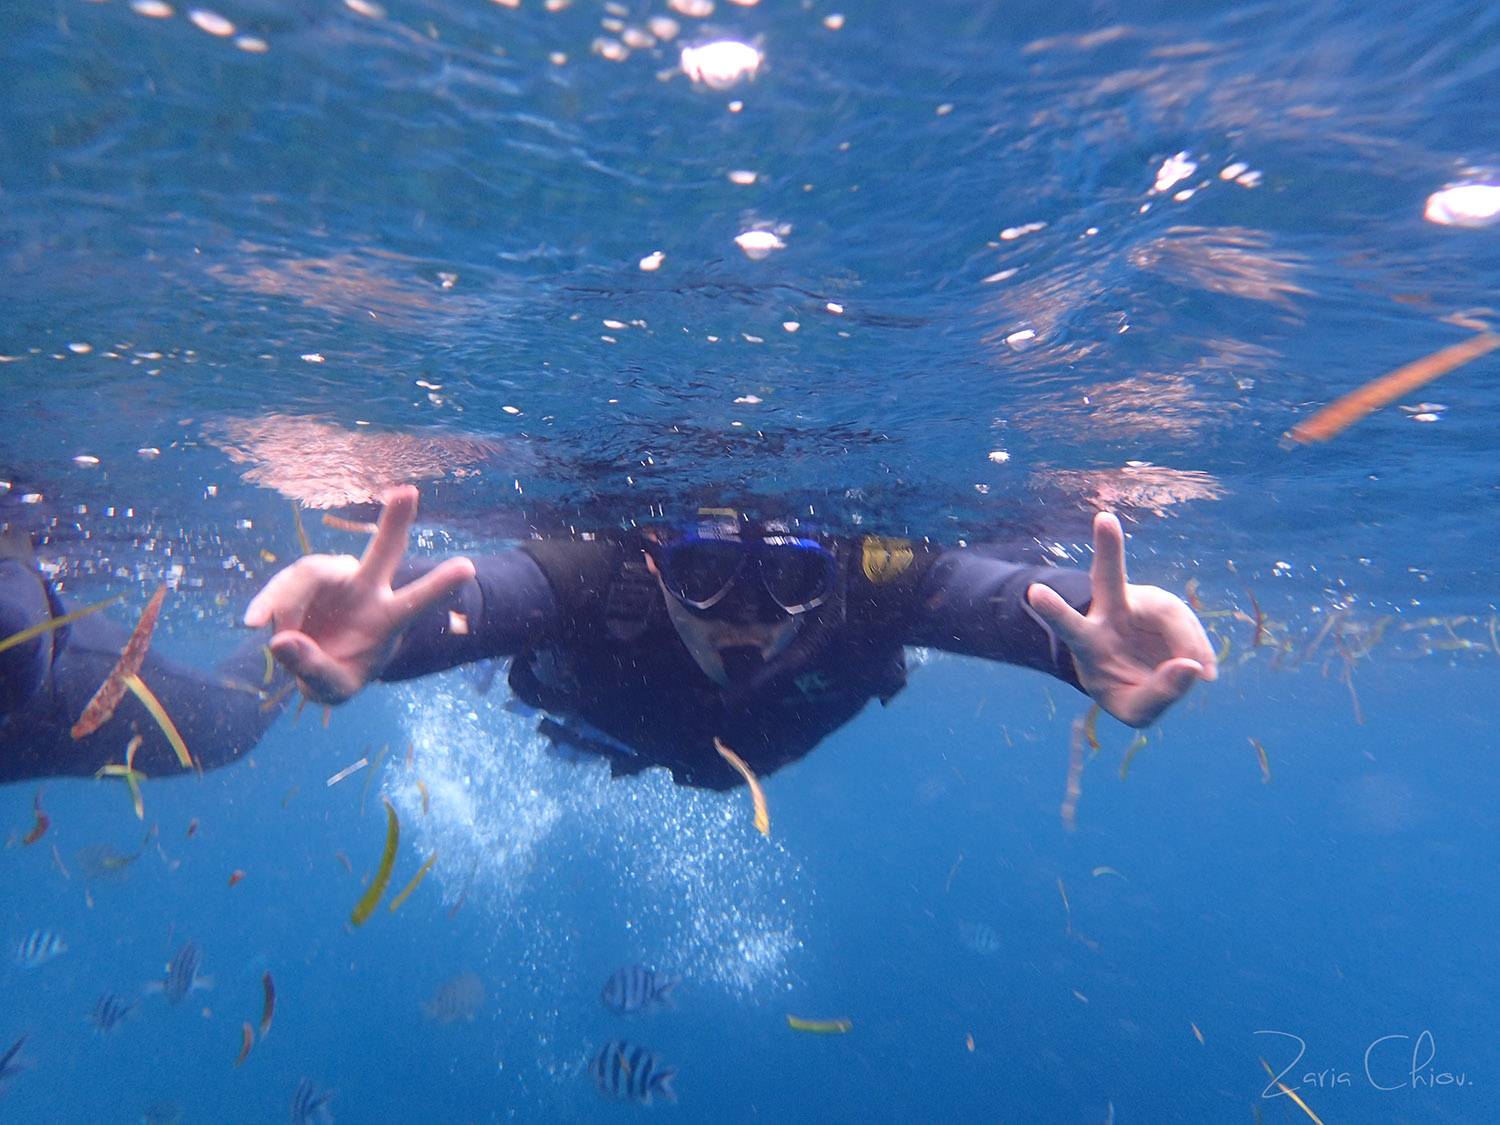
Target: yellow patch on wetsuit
[(885, 560)]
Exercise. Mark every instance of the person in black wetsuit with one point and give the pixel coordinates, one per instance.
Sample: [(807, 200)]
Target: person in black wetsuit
[(644, 646)]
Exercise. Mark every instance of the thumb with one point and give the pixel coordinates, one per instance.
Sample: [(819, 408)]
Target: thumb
[(321, 676), (1054, 609)]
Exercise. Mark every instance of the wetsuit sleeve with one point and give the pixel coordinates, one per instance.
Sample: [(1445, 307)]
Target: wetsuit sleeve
[(506, 608), (220, 714), (975, 604)]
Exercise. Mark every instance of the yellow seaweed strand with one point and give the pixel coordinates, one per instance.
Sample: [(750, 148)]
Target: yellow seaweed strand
[(55, 623), (757, 795), (1289, 1092), (1130, 752), (139, 689), (366, 905), (415, 879), (819, 1027), (1090, 729)]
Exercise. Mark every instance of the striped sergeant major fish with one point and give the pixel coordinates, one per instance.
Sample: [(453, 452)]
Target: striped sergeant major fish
[(635, 988), (182, 974), (39, 947), (310, 1104), (627, 1072), (110, 1010)]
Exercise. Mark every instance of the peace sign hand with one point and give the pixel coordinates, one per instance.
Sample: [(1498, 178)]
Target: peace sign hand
[(337, 618), (1139, 649)]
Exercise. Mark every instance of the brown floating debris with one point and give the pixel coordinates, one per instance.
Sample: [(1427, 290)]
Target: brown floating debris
[(247, 1039), (39, 829), (102, 706), (1342, 413), (339, 523)]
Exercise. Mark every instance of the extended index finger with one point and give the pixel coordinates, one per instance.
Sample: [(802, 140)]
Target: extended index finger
[(388, 544), (1107, 572)]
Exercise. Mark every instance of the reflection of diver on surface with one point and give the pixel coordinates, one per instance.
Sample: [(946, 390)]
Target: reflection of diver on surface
[(643, 646), (46, 682)]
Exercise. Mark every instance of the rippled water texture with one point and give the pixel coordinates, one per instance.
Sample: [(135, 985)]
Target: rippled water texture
[(990, 259)]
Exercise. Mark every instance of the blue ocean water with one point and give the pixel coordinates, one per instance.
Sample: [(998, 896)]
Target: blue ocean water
[(1025, 261)]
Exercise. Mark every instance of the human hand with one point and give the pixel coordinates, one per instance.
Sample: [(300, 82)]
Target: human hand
[(1139, 649), (337, 618)]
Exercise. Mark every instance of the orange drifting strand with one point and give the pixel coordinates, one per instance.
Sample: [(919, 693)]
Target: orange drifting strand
[(1265, 763), (102, 706), (270, 1008), (1342, 413), (247, 1039), (1090, 729), (762, 815), (464, 894), (42, 821), (301, 531), (339, 523)]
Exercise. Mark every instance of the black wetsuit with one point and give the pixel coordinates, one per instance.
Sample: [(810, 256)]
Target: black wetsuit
[(593, 646), (46, 683)]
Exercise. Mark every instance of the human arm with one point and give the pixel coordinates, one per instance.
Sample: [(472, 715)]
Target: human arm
[(219, 715), (1138, 649)]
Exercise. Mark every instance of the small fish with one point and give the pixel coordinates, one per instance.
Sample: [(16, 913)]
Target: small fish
[(979, 937), (456, 999), (635, 988), (39, 947), (110, 1010), (627, 1072), (105, 862), (182, 973), (162, 1113), (11, 1063), (310, 1104)]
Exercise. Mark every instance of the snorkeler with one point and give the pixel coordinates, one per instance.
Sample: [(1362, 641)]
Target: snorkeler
[(643, 646)]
